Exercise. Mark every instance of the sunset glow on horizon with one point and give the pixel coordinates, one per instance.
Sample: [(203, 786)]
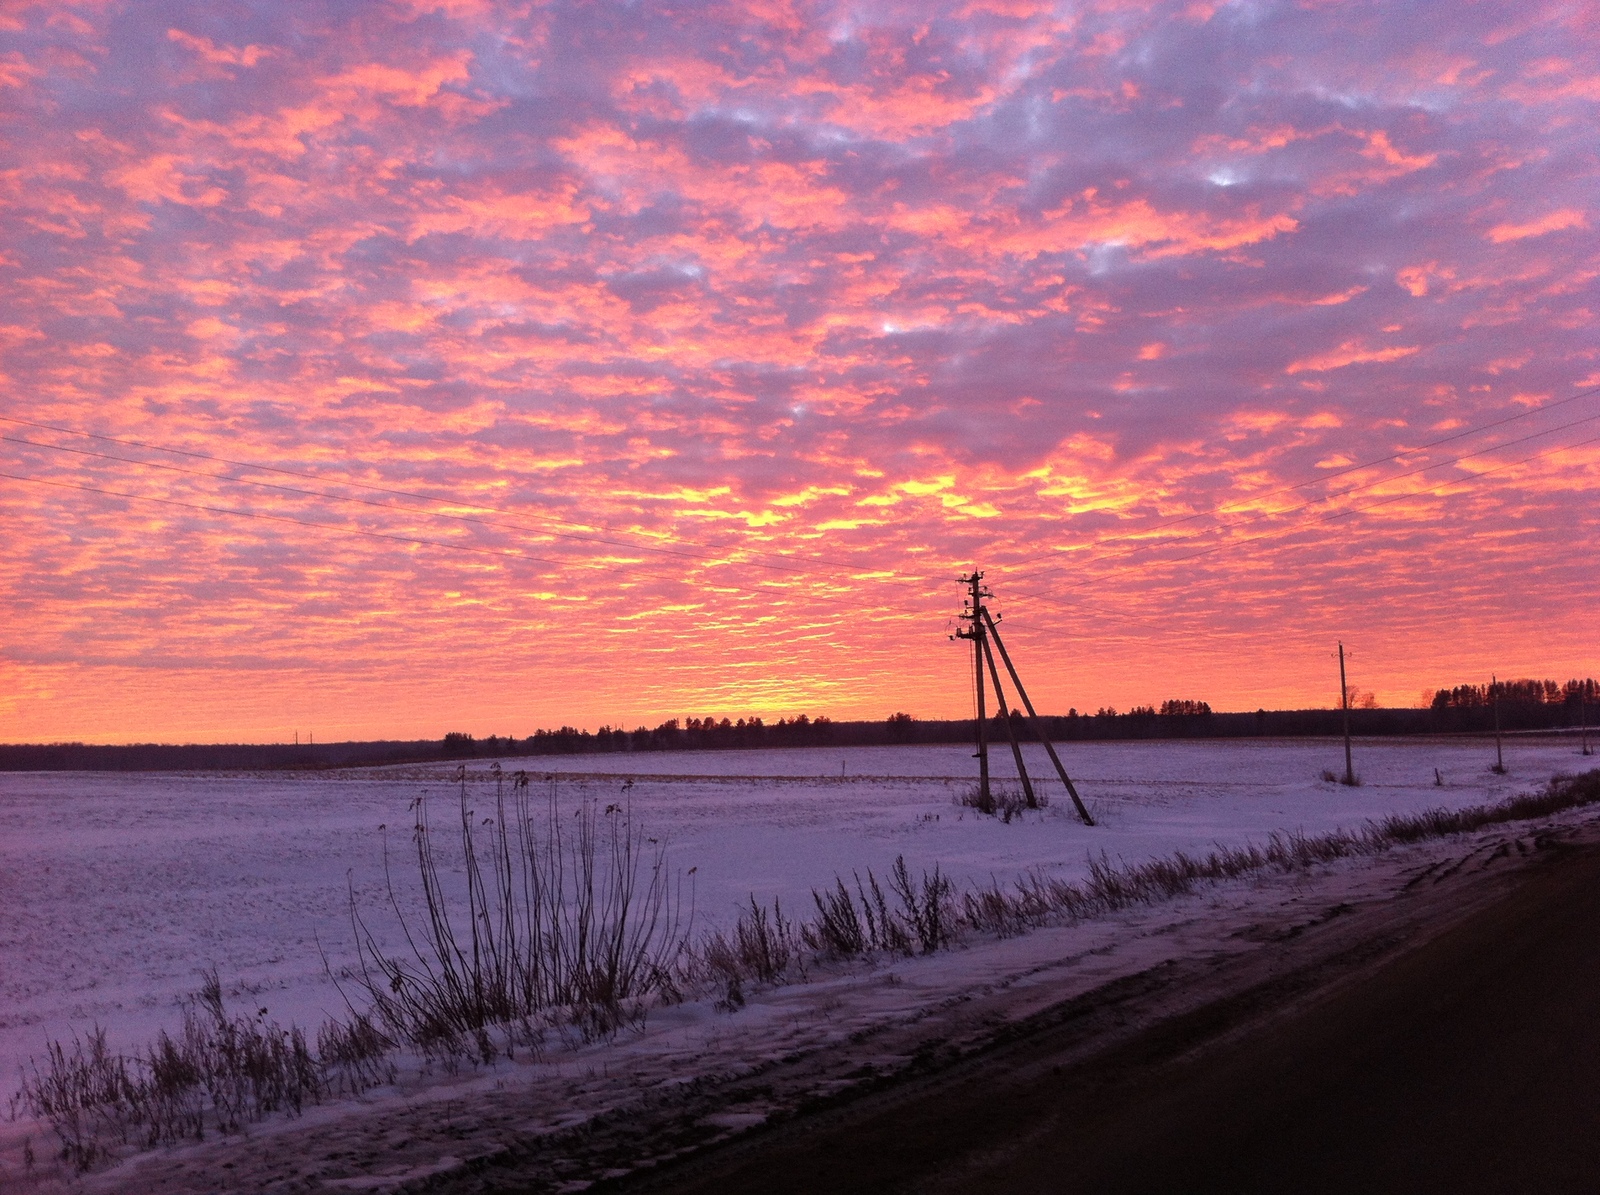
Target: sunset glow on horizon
[(385, 369)]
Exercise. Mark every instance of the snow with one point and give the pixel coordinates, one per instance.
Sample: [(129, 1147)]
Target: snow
[(121, 888)]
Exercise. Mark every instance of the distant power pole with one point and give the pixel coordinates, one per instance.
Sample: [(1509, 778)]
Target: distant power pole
[(1499, 756), (1583, 714), (1344, 704)]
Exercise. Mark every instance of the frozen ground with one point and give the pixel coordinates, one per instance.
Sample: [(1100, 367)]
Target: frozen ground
[(120, 889)]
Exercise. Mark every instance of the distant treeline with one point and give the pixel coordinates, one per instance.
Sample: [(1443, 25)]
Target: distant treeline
[(1523, 692), (1524, 705), (166, 757)]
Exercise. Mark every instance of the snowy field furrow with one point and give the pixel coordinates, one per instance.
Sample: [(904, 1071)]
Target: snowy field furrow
[(121, 888)]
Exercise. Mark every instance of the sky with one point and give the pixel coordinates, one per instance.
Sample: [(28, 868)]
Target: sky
[(384, 369)]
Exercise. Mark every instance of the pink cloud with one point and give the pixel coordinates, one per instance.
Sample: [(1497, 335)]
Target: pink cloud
[(210, 52), (1351, 352), (1556, 221)]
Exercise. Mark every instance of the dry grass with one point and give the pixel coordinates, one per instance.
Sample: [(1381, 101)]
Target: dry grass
[(1001, 801), (761, 947), (1037, 899), (218, 1074)]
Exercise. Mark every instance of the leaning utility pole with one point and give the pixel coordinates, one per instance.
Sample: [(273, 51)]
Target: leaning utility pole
[(982, 629), (1028, 797), (1583, 715), (1035, 722), (1344, 703)]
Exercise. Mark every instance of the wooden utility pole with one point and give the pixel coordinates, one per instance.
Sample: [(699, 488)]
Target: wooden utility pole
[(1583, 715), (1035, 721), (974, 616), (982, 628), (1499, 756), (1344, 704)]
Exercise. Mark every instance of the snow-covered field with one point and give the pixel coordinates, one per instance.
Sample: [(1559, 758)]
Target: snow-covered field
[(119, 890)]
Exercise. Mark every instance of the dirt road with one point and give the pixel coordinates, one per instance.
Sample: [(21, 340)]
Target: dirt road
[(1351, 1059)]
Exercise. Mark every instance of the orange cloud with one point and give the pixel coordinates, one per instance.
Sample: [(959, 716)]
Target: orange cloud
[(1352, 352), (1556, 221)]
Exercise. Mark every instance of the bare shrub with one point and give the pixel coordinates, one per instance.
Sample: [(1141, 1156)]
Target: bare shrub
[(1562, 792), (997, 911), (572, 920), (885, 931), (83, 1093), (1005, 803), (844, 928)]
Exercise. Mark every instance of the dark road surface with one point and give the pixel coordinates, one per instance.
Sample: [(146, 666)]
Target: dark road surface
[(1471, 1063)]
